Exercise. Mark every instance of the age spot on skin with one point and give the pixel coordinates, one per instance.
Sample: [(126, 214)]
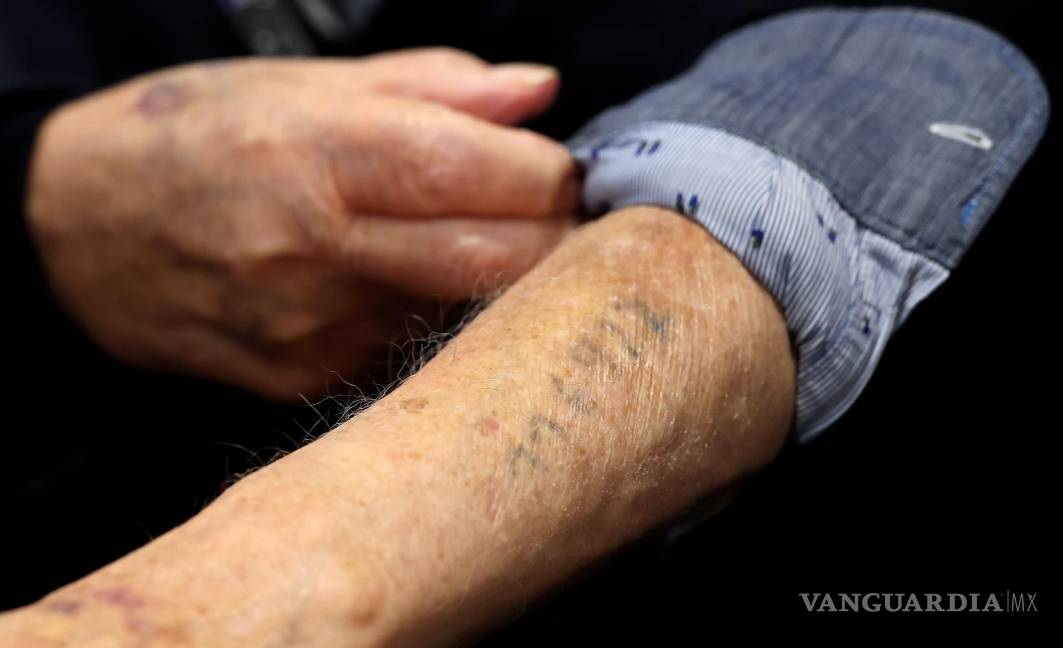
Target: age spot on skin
[(488, 426), (162, 98), (413, 405)]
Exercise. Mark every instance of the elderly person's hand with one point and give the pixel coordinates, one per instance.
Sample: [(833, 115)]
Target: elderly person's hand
[(265, 222)]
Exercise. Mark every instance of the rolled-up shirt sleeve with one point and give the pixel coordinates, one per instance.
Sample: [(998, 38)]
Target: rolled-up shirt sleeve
[(849, 158)]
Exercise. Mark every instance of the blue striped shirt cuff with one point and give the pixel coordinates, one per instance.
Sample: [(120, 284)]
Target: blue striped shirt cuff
[(843, 288), (848, 157)]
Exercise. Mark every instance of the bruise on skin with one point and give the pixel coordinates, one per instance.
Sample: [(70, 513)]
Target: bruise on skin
[(68, 607), (163, 98), (119, 597), (413, 405)]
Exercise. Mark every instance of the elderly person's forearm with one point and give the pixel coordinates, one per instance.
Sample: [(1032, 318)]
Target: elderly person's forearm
[(639, 368)]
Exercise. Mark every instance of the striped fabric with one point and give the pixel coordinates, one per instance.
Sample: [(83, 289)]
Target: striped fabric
[(843, 288)]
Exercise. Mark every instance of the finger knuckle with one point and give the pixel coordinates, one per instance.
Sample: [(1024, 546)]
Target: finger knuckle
[(438, 166)]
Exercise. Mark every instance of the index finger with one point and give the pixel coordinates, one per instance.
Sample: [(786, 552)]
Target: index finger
[(405, 157)]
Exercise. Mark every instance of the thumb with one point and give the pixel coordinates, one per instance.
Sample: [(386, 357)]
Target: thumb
[(504, 94)]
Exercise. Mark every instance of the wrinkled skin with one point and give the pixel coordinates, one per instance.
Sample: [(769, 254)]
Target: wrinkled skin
[(271, 223)]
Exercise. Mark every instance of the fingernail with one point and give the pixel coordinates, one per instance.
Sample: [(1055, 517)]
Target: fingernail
[(533, 74)]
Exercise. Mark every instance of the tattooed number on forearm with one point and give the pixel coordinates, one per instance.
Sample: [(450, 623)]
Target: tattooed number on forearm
[(615, 347)]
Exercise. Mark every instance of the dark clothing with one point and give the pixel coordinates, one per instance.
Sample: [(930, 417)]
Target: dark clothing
[(116, 455)]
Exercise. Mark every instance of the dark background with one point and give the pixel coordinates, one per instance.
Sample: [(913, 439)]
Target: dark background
[(937, 480)]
